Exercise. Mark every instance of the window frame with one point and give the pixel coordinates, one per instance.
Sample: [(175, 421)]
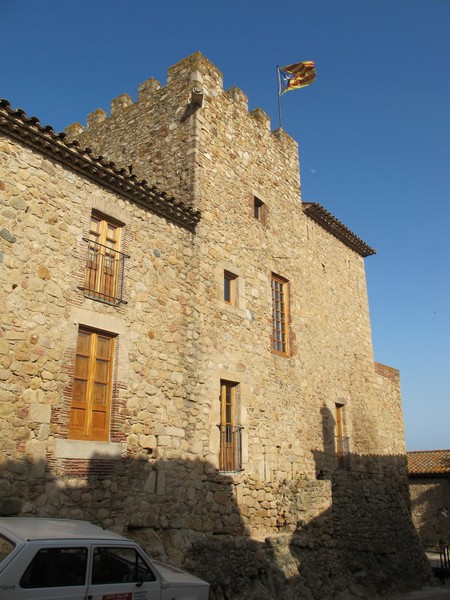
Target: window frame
[(101, 282), (230, 454), (115, 556), (341, 437), (85, 371), (230, 279), (280, 315), (43, 558), (259, 209)]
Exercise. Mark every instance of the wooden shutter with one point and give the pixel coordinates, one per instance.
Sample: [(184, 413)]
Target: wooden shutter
[(228, 430), (103, 257), (91, 396)]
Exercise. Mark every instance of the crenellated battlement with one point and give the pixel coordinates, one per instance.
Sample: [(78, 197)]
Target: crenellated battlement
[(171, 130), (147, 88), (192, 80)]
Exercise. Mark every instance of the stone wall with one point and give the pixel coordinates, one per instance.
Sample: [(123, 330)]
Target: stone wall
[(237, 157), (429, 495), (46, 211), (283, 522)]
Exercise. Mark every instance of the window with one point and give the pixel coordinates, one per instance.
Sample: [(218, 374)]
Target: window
[(258, 209), (119, 565), (6, 547), (56, 567), (92, 383), (230, 458), (342, 442), (105, 264), (279, 315), (229, 288)]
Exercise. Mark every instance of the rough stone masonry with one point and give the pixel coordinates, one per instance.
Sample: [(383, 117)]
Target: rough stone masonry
[(186, 349)]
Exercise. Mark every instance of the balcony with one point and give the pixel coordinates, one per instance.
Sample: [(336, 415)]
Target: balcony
[(105, 268), (230, 457)]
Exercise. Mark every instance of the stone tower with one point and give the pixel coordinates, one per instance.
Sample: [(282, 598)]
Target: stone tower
[(200, 144)]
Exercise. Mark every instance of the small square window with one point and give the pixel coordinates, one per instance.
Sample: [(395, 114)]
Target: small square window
[(258, 209), (229, 287)]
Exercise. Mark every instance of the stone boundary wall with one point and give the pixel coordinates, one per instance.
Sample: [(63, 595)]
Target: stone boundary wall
[(429, 495)]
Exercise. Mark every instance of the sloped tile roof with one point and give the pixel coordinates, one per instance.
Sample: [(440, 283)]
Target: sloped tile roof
[(334, 226), (429, 462), (29, 131)]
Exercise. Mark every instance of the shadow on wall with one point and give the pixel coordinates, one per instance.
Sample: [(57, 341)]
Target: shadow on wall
[(187, 513), (430, 496), (431, 507), (372, 519)]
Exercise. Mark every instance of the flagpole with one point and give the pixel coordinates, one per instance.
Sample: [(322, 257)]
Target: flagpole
[(278, 92)]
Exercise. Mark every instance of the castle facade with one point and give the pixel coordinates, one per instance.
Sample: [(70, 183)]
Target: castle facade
[(186, 352)]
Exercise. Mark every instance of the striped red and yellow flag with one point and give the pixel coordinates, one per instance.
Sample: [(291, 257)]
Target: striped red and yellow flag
[(296, 76)]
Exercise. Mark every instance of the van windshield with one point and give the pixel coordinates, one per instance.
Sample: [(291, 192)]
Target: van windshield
[(6, 547)]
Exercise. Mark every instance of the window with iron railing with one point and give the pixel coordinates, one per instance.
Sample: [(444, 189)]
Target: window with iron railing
[(230, 457), (105, 264)]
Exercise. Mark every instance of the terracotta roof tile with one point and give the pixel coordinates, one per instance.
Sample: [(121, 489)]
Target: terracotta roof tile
[(334, 226), (42, 138), (429, 462)]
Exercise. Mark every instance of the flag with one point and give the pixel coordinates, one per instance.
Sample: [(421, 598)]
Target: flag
[(296, 76)]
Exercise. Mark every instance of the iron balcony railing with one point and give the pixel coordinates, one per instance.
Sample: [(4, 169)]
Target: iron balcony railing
[(230, 457), (444, 559), (343, 451), (105, 268)]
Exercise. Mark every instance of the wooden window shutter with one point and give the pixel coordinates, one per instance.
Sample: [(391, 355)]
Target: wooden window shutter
[(92, 386)]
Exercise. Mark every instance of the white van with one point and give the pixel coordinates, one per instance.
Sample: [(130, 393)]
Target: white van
[(45, 559)]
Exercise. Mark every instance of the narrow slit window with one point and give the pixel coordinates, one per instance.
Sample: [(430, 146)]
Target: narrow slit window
[(229, 288), (258, 209), (342, 440)]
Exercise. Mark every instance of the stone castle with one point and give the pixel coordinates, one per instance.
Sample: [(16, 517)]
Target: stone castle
[(185, 352)]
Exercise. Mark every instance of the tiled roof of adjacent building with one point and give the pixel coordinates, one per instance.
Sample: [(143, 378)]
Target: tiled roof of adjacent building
[(330, 223), (29, 131), (429, 462)]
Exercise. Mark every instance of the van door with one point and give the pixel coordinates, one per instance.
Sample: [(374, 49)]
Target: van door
[(121, 573), (51, 573)]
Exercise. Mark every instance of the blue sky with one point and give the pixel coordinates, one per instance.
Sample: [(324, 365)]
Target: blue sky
[(373, 130)]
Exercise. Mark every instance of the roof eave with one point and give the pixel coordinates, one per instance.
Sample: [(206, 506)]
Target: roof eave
[(29, 131), (335, 227)]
